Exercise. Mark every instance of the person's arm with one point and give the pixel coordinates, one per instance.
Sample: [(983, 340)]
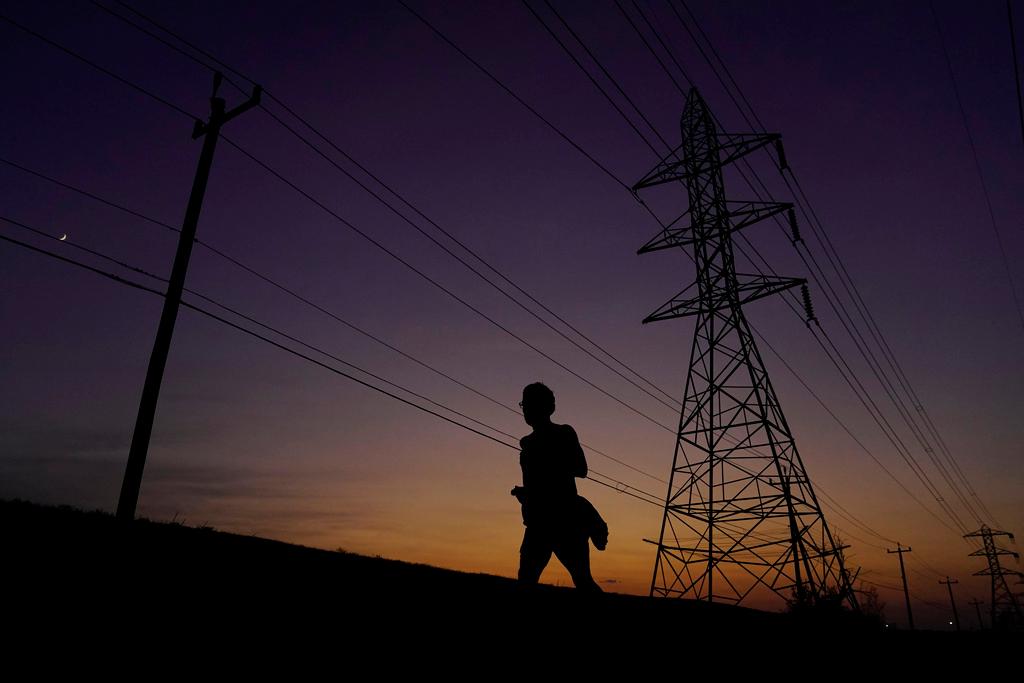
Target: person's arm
[(577, 460)]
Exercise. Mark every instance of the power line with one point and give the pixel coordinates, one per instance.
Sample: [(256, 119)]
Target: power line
[(1016, 66), (849, 285), (119, 207), (842, 424), (252, 320), (492, 77), (179, 38), (621, 113), (416, 227), (518, 99), (619, 486), (447, 291), (822, 235), (832, 502), (292, 293), (514, 96), (903, 380), (390, 252), (653, 52), (841, 269), (977, 166), (860, 394), (472, 269), (305, 122), (611, 101), (854, 333), (107, 72), (437, 284), (843, 534), (607, 75), (167, 43)]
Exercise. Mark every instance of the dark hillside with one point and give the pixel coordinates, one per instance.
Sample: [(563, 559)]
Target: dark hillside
[(66, 566)]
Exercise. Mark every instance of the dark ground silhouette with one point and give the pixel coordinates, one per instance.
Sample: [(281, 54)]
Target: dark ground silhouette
[(84, 577)]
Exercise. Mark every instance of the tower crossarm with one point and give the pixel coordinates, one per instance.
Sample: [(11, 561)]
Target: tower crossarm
[(985, 531), (728, 148), (749, 288), (669, 169), (996, 550), (733, 146), (741, 214), (998, 572)]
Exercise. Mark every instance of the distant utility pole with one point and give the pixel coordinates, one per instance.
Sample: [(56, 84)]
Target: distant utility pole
[(210, 132), (1006, 612), (977, 606), (949, 584), (903, 573)]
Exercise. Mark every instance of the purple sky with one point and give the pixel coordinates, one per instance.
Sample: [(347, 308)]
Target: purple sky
[(250, 439)]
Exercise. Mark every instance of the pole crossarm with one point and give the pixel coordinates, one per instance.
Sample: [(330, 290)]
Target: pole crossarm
[(202, 127)]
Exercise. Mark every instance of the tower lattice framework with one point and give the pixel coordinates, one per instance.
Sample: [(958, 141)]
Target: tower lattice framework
[(1006, 611), (740, 517)]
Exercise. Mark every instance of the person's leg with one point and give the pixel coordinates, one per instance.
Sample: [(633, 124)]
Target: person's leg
[(533, 555), (573, 551)]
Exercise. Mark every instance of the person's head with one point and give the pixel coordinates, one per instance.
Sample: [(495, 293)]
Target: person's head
[(538, 404)]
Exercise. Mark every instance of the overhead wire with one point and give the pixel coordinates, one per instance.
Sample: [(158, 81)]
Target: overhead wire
[(977, 167), (213, 249), (436, 284), (182, 111), (1016, 66), (619, 88), (617, 485), (387, 204), (366, 236), (471, 268), (901, 448), (250, 319), (306, 141), (821, 233), (231, 259)]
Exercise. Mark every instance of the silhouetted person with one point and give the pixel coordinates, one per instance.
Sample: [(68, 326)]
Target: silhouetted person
[(556, 520)]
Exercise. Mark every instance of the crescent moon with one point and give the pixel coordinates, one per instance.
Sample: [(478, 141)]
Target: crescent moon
[(63, 237)]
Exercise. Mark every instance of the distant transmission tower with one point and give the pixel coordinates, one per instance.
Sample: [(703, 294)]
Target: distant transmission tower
[(741, 518), (1006, 612)]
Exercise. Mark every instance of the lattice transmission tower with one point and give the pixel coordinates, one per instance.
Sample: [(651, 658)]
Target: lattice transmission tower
[(1006, 611), (741, 517)]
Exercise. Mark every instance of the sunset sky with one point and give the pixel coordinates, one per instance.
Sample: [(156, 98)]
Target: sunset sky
[(257, 441)]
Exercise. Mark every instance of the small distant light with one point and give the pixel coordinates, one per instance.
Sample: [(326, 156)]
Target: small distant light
[(951, 623)]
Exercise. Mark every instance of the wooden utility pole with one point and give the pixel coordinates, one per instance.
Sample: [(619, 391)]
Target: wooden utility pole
[(210, 132), (977, 606), (903, 573), (949, 584)]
